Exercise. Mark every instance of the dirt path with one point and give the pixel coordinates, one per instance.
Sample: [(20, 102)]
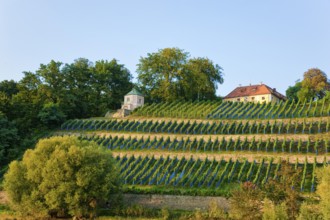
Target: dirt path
[(250, 156), (264, 137), (175, 201), (178, 120)]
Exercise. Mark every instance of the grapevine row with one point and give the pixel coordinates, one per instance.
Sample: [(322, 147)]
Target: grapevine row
[(205, 173), (193, 127), (236, 110), (319, 146)]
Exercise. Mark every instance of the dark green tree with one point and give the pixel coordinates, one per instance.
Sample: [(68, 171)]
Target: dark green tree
[(111, 82), (292, 92), (9, 140), (27, 103), (169, 75), (51, 115), (53, 81), (202, 79), (9, 87), (94, 89), (161, 73), (42, 99)]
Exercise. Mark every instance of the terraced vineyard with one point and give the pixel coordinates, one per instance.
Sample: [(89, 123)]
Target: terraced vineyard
[(235, 110), (317, 147), (193, 128), (206, 173), (170, 144)]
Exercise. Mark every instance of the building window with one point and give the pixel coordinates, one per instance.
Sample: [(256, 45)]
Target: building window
[(238, 100), (140, 101), (252, 98), (263, 98), (127, 99)]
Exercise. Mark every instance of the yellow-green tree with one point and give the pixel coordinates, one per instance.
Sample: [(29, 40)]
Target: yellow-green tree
[(314, 85), (323, 190), (62, 175)]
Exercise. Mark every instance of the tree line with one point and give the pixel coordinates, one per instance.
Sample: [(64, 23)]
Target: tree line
[(57, 91), (315, 85)]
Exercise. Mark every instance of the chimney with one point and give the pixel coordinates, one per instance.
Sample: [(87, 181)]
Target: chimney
[(274, 89)]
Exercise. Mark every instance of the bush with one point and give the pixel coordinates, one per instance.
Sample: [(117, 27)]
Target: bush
[(309, 211), (323, 191), (61, 176), (246, 203), (281, 211), (215, 211), (269, 210)]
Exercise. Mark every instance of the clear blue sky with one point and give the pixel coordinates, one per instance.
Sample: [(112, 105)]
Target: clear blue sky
[(270, 41)]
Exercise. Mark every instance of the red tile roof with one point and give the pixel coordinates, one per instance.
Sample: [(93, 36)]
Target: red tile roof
[(252, 90)]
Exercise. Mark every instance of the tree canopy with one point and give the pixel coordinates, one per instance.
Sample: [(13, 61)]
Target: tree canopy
[(61, 176), (43, 99), (292, 91), (8, 139), (314, 85), (170, 74)]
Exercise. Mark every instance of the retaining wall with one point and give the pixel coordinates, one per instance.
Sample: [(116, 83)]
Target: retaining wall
[(174, 202)]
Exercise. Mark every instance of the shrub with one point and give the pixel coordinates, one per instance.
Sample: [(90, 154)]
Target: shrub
[(215, 211), (309, 211), (246, 203), (285, 189), (323, 191), (281, 211), (165, 213), (269, 210), (61, 176)]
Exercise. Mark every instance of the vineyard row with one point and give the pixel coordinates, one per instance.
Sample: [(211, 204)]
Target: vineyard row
[(207, 173), (174, 127), (317, 147), (235, 110)]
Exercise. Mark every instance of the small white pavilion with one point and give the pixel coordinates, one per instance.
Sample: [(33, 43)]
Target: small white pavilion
[(133, 100)]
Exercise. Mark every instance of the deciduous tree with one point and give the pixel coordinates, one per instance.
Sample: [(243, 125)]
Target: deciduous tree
[(284, 189), (314, 85), (9, 140), (169, 75), (246, 203), (292, 92), (202, 79), (62, 175), (51, 115), (160, 73)]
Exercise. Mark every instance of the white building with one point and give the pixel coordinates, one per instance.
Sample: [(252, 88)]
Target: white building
[(132, 100)]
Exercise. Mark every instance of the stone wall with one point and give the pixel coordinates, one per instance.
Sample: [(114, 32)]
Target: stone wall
[(174, 202), (121, 113)]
